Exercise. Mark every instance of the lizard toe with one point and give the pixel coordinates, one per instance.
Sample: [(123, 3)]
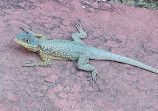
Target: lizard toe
[(29, 64)]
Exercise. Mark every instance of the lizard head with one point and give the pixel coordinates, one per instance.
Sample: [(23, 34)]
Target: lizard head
[(28, 41)]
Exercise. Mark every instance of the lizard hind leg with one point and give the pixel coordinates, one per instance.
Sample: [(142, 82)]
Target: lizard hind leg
[(83, 65)]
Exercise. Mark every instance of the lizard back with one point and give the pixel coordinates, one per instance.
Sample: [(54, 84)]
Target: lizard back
[(63, 48)]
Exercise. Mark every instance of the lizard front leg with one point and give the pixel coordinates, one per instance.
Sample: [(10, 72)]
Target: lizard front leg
[(78, 36), (46, 61), (40, 36)]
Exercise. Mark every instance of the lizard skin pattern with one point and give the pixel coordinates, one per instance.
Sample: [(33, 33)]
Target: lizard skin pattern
[(70, 50)]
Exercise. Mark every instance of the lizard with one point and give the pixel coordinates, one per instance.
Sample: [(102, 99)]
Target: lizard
[(70, 50)]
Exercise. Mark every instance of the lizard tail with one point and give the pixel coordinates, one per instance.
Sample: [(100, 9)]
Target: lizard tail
[(102, 55)]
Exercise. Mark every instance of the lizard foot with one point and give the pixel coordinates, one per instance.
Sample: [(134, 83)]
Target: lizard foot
[(93, 78), (33, 33), (83, 33), (27, 30)]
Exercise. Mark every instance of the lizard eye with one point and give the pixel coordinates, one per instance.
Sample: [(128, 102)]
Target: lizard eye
[(26, 40)]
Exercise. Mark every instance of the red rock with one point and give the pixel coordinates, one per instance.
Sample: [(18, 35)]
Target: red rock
[(11, 96), (117, 28), (51, 78)]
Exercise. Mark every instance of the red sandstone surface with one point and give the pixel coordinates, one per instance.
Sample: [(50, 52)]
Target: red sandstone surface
[(120, 29)]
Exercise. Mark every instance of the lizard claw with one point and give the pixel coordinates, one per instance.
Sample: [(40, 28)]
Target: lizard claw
[(93, 76), (78, 26), (29, 64), (32, 63), (24, 29), (27, 30)]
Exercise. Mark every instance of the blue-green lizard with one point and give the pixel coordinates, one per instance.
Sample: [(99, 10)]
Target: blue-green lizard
[(70, 50)]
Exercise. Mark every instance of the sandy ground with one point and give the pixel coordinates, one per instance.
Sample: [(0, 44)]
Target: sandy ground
[(117, 28)]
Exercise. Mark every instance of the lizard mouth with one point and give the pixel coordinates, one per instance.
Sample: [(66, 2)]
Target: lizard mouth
[(20, 42), (16, 40)]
